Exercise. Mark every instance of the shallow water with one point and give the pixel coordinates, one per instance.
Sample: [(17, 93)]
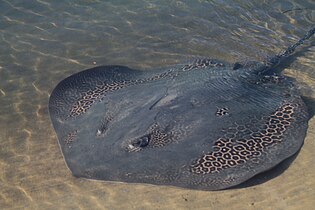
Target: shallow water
[(42, 42)]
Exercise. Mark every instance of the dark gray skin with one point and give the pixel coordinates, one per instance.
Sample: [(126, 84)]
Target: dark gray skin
[(165, 126)]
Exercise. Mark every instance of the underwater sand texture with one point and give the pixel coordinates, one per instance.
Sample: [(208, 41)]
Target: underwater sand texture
[(42, 42)]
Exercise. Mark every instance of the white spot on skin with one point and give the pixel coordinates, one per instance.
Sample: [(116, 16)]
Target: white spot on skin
[(130, 146)]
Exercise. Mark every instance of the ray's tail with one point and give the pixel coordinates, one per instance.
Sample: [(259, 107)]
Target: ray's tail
[(290, 50), (275, 60)]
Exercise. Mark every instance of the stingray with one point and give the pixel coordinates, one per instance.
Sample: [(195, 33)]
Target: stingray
[(205, 125)]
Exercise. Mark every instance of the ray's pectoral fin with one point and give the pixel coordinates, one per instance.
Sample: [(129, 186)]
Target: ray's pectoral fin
[(260, 144), (75, 95)]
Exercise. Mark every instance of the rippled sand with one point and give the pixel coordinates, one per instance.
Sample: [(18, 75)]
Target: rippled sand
[(42, 42)]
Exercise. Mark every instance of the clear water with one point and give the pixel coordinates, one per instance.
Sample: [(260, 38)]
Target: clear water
[(43, 41)]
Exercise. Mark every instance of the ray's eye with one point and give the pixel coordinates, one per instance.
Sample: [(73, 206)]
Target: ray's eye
[(142, 142), (237, 66)]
